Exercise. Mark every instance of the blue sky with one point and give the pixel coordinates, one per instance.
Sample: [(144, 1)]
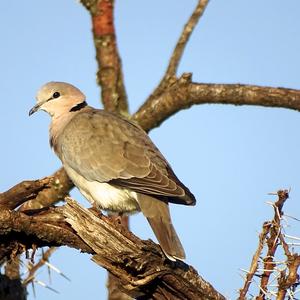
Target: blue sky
[(230, 157)]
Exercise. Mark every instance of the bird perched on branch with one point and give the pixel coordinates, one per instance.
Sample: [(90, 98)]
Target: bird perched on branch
[(113, 162)]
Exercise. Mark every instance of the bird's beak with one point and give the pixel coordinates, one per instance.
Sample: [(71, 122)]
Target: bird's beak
[(34, 109)]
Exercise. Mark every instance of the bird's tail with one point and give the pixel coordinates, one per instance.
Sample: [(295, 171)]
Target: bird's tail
[(158, 215)]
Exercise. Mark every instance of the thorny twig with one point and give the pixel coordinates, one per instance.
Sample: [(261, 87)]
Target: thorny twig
[(255, 260), (287, 277), (32, 268)]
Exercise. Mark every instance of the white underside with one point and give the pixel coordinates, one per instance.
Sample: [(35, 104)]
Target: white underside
[(104, 195)]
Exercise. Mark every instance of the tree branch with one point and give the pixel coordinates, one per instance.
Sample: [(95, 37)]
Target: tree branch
[(184, 38), (109, 75), (176, 56), (139, 265), (37, 194), (182, 93), (33, 268), (255, 261), (58, 188), (20, 231), (272, 236), (22, 192), (290, 280), (272, 243)]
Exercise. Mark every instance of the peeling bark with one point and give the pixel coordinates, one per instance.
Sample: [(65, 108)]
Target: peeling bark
[(140, 266)]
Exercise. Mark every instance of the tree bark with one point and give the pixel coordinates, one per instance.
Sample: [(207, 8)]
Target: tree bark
[(141, 267)]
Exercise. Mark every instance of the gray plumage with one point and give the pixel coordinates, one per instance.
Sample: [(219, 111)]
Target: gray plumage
[(113, 162)]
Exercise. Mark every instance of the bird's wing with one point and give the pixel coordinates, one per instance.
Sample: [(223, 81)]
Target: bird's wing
[(106, 148)]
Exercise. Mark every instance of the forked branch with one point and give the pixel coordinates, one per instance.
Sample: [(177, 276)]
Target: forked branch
[(179, 48), (182, 93)]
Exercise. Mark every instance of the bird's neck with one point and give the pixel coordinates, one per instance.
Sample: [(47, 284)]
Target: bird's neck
[(57, 125)]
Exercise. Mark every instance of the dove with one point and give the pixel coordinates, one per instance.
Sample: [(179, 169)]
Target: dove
[(113, 162)]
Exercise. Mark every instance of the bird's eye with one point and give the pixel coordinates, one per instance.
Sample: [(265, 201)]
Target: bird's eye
[(56, 95)]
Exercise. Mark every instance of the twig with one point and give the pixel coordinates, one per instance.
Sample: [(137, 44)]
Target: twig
[(292, 237), (272, 242), (33, 268), (169, 77), (41, 283), (255, 260), (271, 232), (109, 75), (180, 46)]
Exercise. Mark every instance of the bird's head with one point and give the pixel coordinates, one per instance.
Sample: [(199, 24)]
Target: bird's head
[(57, 98)]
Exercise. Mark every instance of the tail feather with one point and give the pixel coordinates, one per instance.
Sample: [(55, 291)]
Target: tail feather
[(158, 215)]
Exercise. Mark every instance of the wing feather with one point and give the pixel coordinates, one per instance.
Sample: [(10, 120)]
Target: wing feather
[(106, 148)]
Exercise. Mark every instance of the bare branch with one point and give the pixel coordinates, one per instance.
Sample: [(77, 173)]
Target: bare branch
[(184, 38), (273, 242), (285, 282), (272, 236), (139, 265), (176, 56), (183, 93), (19, 231), (37, 194), (59, 187), (113, 284), (255, 261), (109, 75), (22, 192), (33, 268)]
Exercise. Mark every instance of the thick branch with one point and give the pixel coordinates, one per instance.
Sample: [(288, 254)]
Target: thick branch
[(109, 75), (22, 192), (113, 284), (37, 194), (59, 187), (183, 93), (139, 265), (19, 231)]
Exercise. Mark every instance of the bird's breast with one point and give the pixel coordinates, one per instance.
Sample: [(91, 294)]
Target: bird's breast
[(104, 195)]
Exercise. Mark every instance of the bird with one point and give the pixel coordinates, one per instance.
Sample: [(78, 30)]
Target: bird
[(113, 162)]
